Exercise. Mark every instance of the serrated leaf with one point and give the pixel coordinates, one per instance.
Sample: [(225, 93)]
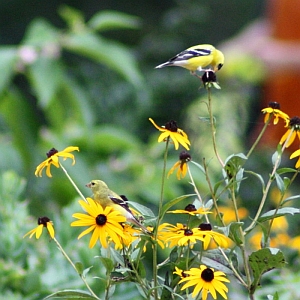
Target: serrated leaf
[(280, 212), (265, 260), (106, 20), (70, 294), (171, 203), (8, 58)]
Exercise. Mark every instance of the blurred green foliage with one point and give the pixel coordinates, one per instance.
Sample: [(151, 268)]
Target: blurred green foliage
[(89, 82)]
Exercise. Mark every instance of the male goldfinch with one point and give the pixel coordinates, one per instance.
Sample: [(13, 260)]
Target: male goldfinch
[(196, 58), (106, 197)]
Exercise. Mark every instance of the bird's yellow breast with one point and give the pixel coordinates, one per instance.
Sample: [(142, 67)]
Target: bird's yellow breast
[(201, 61)]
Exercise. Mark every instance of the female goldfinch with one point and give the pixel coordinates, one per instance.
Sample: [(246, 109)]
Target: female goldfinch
[(106, 197), (196, 58)]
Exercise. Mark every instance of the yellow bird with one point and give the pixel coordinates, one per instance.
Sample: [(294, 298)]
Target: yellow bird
[(197, 58), (106, 197)]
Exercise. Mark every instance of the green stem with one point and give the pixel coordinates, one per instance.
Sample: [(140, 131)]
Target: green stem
[(237, 275), (74, 267), (268, 185), (197, 192), (73, 183), (213, 127), (213, 196), (259, 137), (280, 203), (160, 206)]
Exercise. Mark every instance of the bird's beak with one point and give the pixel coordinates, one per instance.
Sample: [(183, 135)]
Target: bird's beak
[(88, 185)]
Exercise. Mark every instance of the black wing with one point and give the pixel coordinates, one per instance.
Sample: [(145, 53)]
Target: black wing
[(187, 54)]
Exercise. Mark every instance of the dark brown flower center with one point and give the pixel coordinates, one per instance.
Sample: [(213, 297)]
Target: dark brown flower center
[(209, 76), (171, 126), (295, 123), (51, 152), (205, 226), (207, 275), (101, 220), (274, 105), (190, 207), (43, 221), (188, 232), (185, 156)]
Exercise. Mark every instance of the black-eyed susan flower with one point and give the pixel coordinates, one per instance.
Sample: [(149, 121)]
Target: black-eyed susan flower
[(170, 130), (42, 222), (182, 166), (130, 235), (52, 159), (206, 280), (180, 272), (104, 222), (179, 235), (205, 232), (274, 110), (292, 132), (190, 209), (295, 154)]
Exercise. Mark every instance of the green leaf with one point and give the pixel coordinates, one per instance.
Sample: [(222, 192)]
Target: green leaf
[(73, 17), (285, 170), (8, 58), (85, 271), (198, 166), (106, 20), (280, 183), (144, 210), (216, 260), (79, 267), (277, 155), (107, 263), (23, 124), (264, 260), (275, 297), (236, 160), (291, 198), (110, 53), (46, 75), (171, 203), (234, 232), (259, 177), (39, 33), (70, 294), (233, 168), (280, 212)]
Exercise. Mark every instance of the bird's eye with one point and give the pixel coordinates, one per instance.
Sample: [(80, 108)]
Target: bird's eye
[(93, 183), (220, 66)]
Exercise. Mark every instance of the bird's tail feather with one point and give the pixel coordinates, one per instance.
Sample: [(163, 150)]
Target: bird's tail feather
[(166, 64)]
